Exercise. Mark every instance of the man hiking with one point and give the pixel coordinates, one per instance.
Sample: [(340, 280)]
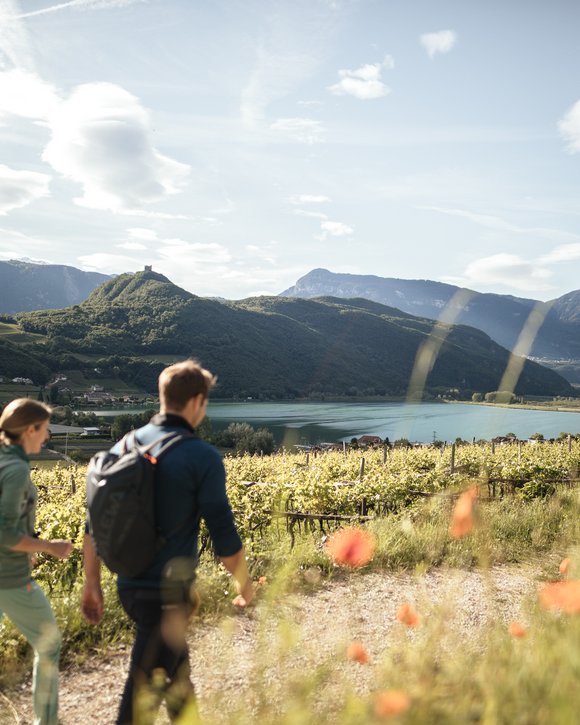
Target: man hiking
[(189, 485)]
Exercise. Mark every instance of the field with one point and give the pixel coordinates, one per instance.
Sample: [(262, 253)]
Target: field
[(441, 661)]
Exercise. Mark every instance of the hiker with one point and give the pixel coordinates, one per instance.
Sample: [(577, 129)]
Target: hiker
[(189, 485), (23, 430)]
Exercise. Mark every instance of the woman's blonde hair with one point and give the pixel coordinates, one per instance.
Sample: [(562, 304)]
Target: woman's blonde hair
[(18, 415)]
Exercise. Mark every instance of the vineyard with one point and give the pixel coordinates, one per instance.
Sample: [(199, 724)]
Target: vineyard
[(420, 658), (298, 492)]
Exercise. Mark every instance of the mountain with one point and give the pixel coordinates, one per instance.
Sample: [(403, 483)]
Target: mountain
[(26, 285), (502, 317), (276, 347)]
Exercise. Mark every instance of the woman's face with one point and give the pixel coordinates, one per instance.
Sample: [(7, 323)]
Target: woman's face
[(34, 437)]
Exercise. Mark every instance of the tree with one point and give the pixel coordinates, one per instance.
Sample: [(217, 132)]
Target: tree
[(500, 396), (477, 397)]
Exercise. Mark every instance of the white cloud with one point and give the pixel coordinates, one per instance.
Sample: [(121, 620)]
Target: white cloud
[(20, 188), (309, 199), (441, 42), (570, 128), (109, 263), (496, 223), (310, 214), (293, 36), (101, 139), (264, 253), (504, 270), (25, 94), (132, 246), (365, 82), (334, 229), (78, 5), (15, 44), (147, 235), (563, 253), (304, 130), (186, 254)]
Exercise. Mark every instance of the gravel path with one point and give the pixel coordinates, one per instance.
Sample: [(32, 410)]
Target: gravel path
[(225, 657)]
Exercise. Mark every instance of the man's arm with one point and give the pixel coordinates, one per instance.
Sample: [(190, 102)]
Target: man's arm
[(92, 595), (238, 568)]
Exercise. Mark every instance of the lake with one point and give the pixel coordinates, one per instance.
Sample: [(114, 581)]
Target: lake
[(312, 422), (315, 422)]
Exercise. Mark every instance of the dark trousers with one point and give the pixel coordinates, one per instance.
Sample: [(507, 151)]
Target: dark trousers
[(159, 667)]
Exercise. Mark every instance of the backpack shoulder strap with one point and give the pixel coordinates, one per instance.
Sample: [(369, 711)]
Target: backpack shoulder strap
[(170, 440)]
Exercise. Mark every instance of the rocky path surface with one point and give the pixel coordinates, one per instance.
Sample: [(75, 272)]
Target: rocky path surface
[(226, 656)]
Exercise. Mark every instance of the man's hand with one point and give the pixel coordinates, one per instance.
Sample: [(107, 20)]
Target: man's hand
[(92, 603), (245, 596)]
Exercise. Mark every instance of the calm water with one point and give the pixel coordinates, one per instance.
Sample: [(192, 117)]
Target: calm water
[(315, 422), (293, 423)]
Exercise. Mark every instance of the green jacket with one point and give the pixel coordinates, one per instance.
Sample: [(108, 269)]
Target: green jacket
[(17, 514)]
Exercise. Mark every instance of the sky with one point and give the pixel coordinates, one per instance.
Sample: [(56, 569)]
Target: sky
[(235, 145)]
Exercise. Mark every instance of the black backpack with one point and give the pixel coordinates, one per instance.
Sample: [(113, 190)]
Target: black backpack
[(121, 503)]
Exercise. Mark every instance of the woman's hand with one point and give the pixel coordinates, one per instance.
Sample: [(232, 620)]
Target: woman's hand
[(59, 548)]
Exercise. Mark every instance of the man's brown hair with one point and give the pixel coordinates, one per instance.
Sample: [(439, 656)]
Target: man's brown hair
[(180, 382)]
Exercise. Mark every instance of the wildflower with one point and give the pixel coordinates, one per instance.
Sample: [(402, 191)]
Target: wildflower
[(357, 653), (262, 581), (516, 630), (390, 703), (462, 518), (564, 566), (351, 547), (563, 595), (407, 615)]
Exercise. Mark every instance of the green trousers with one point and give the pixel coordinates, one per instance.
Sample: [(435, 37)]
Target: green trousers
[(30, 612)]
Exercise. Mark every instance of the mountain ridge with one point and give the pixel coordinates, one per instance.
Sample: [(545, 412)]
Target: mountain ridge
[(502, 317), (271, 346), (27, 286)]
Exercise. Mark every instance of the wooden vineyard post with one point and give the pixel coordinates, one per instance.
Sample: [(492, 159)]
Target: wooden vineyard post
[(519, 452), (344, 447), (453, 458), (493, 448), (569, 443), (307, 459), (363, 504), (385, 454)]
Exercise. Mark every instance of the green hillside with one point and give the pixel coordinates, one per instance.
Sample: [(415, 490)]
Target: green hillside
[(270, 346)]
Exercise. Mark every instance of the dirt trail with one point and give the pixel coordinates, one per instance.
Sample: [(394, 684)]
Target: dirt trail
[(224, 656)]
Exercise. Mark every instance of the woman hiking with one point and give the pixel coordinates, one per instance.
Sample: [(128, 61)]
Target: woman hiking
[(23, 430)]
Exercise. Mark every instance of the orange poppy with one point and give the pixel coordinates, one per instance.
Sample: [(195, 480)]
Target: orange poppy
[(462, 517), (391, 703), (563, 595), (564, 566), (516, 630), (357, 652), (351, 547), (407, 615)]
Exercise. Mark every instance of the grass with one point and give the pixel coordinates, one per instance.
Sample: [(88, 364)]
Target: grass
[(495, 679)]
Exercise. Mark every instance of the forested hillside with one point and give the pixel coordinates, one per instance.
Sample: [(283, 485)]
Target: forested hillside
[(268, 346)]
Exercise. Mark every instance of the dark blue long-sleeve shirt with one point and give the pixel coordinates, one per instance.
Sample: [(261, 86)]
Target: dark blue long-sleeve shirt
[(190, 485)]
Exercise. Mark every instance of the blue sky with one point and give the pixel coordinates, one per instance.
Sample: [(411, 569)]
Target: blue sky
[(237, 144)]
